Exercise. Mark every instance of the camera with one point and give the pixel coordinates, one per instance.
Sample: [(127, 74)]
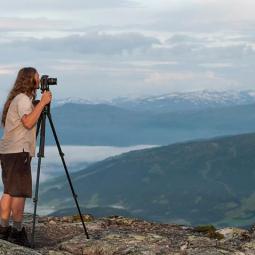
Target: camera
[(46, 81)]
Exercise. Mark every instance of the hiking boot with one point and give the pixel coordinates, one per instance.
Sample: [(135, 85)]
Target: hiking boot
[(5, 232), (19, 237)]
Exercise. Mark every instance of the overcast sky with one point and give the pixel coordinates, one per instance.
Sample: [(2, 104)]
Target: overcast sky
[(103, 49)]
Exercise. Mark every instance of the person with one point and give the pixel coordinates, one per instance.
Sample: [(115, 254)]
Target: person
[(17, 147)]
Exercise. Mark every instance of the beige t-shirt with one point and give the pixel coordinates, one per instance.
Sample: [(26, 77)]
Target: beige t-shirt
[(17, 137)]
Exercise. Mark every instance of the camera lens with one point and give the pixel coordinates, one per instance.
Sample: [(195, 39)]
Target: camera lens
[(52, 81)]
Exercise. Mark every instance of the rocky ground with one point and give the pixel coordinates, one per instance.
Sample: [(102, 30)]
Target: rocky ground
[(117, 235)]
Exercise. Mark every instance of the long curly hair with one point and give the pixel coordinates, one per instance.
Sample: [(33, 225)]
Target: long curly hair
[(25, 83)]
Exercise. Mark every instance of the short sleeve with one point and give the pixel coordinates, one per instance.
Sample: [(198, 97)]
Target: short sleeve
[(24, 105)]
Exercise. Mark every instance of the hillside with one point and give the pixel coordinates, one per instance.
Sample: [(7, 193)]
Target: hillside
[(200, 182)]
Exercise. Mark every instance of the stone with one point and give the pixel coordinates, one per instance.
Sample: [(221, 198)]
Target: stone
[(230, 233), (118, 235)]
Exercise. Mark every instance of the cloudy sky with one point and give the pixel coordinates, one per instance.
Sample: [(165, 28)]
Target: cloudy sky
[(103, 49)]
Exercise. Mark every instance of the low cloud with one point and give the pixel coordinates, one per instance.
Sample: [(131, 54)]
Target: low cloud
[(60, 5), (206, 16), (13, 24), (5, 70), (166, 78), (91, 43)]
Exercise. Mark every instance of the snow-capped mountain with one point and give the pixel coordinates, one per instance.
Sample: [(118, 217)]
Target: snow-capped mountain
[(182, 101), (76, 100), (179, 101)]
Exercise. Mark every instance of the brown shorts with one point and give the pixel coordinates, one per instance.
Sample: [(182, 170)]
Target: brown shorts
[(16, 174)]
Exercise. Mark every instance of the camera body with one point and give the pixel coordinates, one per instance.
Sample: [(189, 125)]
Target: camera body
[(46, 81)]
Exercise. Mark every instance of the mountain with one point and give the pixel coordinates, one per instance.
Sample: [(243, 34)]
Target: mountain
[(109, 125), (73, 100), (197, 182), (174, 102)]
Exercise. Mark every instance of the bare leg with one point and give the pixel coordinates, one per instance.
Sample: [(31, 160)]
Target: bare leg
[(5, 205), (17, 207), (18, 233)]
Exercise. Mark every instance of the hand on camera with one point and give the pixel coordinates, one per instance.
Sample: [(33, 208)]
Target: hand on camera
[(46, 97)]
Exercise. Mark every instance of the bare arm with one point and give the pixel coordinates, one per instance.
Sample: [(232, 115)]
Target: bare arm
[(29, 120)]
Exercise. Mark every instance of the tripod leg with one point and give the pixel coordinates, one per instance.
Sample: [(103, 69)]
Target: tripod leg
[(40, 155), (38, 125), (66, 171)]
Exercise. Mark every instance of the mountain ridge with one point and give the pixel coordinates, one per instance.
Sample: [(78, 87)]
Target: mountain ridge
[(176, 101)]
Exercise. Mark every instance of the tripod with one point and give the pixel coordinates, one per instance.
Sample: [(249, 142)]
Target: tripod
[(41, 126)]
